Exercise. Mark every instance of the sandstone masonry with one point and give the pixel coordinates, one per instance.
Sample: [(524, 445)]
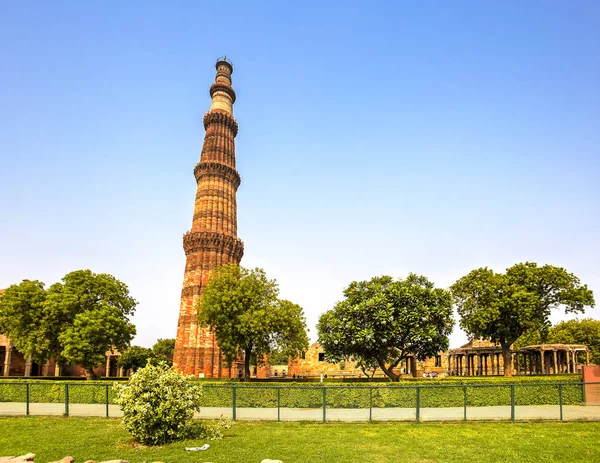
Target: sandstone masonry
[(212, 240)]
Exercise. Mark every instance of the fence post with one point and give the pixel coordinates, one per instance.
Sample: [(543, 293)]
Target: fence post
[(106, 395), (27, 399), (370, 403), (66, 399), (233, 402), (512, 402), (324, 404), (560, 400), (418, 404), (279, 404), (465, 403)]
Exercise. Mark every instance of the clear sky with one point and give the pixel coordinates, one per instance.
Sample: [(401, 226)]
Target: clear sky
[(375, 138)]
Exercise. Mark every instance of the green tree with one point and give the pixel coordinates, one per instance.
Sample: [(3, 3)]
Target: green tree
[(242, 307), (22, 319), (531, 338), (278, 358), (163, 350), (586, 331), (93, 311), (382, 321), (504, 306), (134, 358)]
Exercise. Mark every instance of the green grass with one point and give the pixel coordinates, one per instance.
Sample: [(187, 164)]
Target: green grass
[(105, 439)]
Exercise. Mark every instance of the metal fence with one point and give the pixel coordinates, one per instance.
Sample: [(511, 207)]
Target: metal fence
[(558, 401)]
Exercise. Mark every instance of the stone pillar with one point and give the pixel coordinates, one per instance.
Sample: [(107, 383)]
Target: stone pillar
[(568, 353), (479, 364), (120, 372), (587, 357), (531, 364), (57, 369), (555, 362), (7, 358), (492, 362), (574, 361), (107, 373), (542, 364)]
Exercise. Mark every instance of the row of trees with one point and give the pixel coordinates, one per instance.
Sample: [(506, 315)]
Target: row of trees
[(378, 324), (76, 320), (382, 321)]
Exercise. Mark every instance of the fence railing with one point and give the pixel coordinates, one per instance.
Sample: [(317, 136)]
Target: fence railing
[(564, 401)]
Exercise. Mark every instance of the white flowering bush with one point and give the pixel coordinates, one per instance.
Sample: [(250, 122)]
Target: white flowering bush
[(158, 404)]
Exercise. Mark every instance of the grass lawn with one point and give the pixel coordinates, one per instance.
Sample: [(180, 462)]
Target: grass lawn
[(52, 438)]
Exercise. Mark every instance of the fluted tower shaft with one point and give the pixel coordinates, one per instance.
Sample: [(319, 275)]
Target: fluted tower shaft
[(212, 240)]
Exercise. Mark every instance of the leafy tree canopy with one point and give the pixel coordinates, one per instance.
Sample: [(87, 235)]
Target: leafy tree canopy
[(22, 319), (92, 310), (502, 307), (242, 307), (163, 350), (383, 321), (77, 320), (134, 358), (278, 358)]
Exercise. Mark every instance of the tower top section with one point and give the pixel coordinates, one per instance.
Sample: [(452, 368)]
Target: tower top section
[(224, 61), (221, 91)]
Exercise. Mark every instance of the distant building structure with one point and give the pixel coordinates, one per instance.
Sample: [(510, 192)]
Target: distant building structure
[(476, 358), (312, 364), (483, 358)]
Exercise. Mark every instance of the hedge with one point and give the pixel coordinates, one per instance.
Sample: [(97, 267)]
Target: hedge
[(447, 392)]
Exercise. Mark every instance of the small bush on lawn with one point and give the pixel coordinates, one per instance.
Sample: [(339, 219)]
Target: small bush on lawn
[(158, 404)]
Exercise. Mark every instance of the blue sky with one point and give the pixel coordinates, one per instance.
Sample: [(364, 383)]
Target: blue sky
[(375, 138)]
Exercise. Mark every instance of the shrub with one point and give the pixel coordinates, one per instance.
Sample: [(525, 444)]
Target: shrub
[(158, 404)]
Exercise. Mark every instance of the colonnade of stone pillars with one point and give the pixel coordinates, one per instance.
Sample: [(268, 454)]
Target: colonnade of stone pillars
[(475, 363), (547, 361)]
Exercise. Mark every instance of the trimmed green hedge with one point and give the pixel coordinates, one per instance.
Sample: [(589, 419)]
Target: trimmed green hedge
[(385, 397), (447, 392)]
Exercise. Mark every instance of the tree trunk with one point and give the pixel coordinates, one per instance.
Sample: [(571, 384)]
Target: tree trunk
[(89, 374), (247, 354), (388, 371), (507, 356)]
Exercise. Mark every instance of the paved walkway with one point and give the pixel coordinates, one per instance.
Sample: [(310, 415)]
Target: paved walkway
[(522, 412)]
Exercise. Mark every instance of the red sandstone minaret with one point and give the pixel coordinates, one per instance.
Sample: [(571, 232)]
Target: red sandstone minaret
[(213, 238)]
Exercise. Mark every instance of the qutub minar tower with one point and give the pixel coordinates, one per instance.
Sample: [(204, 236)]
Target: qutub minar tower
[(213, 240)]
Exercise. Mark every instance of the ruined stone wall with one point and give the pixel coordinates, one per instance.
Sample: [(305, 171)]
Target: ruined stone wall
[(313, 364)]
